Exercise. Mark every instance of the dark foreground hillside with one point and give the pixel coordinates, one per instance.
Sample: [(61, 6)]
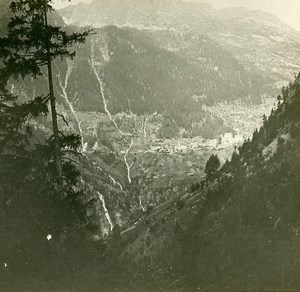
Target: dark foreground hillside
[(246, 234), (238, 229)]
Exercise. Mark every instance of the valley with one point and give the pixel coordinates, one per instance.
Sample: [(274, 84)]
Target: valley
[(152, 105), (157, 169), (165, 156)]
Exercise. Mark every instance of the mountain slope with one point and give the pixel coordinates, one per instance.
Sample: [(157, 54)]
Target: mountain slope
[(237, 230), (143, 72), (259, 40)]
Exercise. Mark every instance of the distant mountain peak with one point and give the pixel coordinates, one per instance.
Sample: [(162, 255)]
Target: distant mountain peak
[(166, 14)]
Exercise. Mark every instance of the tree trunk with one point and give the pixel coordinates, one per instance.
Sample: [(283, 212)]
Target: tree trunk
[(54, 122), (57, 159)]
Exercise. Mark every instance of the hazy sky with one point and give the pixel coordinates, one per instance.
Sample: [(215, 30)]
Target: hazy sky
[(62, 3), (287, 10)]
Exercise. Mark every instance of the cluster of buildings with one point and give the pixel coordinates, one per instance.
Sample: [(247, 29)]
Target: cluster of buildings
[(185, 145)]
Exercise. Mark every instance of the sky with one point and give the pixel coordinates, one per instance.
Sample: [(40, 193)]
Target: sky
[(58, 4), (286, 10)]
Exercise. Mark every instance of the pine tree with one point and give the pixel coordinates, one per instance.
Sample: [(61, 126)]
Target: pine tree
[(40, 177), (42, 170), (212, 165), (31, 44), (34, 203)]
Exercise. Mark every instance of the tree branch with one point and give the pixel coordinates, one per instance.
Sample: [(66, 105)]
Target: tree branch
[(63, 117)]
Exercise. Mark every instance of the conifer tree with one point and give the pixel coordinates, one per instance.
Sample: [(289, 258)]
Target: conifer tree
[(31, 44), (212, 165), (43, 172)]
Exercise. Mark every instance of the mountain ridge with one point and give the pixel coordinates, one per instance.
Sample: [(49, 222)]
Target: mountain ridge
[(102, 8), (259, 40)]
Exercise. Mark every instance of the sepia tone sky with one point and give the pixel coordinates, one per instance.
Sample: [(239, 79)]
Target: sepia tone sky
[(287, 10), (58, 4)]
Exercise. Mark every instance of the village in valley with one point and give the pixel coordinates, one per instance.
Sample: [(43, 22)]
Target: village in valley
[(243, 119), (159, 165)]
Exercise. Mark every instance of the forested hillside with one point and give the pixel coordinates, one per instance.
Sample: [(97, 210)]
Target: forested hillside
[(147, 72), (260, 41), (239, 228)]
